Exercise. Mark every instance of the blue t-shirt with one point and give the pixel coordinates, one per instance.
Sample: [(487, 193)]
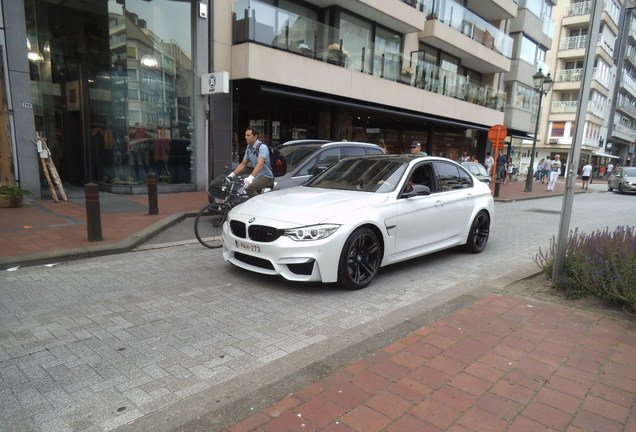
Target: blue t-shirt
[(252, 157)]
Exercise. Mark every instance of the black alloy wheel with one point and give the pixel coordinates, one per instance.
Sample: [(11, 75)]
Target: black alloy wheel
[(360, 259), (478, 234)]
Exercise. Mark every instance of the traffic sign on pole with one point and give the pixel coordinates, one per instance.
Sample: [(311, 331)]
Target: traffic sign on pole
[(497, 134)]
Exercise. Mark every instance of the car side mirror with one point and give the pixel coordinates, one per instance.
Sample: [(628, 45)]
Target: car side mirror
[(418, 190)]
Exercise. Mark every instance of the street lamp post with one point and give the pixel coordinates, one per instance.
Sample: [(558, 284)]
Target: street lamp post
[(542, 84)]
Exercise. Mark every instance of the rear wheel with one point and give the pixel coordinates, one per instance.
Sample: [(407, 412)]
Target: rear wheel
[(359, 260), (478, 234), (207, 223)]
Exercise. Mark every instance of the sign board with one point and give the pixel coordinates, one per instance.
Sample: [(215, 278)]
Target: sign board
[(497, 134), (215, 82)]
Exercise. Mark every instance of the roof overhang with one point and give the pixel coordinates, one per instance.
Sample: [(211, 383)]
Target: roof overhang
[(601, 154)]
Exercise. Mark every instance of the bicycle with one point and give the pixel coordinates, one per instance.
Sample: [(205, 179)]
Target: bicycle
[(224, 195)]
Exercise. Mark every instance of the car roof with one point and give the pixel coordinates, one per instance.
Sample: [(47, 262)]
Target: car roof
[(304, 141), (327, 143), (405, 158)]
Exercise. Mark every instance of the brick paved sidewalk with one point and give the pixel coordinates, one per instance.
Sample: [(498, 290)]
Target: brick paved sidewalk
[(501, 364), (44, 226)]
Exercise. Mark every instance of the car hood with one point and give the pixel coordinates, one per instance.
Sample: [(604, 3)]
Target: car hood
[(305, 205)]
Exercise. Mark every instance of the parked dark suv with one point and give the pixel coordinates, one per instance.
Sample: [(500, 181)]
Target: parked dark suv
[(306, 158)]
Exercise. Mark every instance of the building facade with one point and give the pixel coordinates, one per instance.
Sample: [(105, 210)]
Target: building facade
[(609, 118), (115, 85)]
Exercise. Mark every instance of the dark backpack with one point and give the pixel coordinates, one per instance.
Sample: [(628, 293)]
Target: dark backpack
[(276, 160)]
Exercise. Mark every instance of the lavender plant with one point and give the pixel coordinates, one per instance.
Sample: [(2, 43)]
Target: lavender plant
[(602, 264)]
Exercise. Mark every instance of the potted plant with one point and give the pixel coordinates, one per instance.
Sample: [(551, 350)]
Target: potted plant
[(11, 195), (406, 73), (337, 53)]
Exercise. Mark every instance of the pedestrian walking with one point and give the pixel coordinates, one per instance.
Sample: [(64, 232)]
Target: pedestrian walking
[(601, 171), (547, 166), (510, 170), (555, 171), (540, 170), (610, 168), (501, 166), (488, 163), (586, 174)]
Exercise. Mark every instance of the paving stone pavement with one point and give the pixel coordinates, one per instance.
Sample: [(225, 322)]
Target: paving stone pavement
[(168, 337), (499, 364)]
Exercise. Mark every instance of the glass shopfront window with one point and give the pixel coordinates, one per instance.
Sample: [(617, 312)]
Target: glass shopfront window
[(113, 88)]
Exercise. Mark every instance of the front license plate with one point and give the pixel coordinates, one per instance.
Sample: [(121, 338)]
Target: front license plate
[(248, 247)]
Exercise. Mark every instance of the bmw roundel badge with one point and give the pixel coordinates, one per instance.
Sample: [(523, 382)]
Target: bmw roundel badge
[(251, 220)]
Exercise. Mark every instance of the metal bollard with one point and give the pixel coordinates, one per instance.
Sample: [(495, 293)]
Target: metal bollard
[(153, 204), (93, 217), (497, 185)]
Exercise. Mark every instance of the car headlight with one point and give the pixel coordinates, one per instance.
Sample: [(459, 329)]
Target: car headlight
[(312, 232)]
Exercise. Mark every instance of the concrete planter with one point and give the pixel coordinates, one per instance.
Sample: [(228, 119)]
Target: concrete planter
[(10, 201)]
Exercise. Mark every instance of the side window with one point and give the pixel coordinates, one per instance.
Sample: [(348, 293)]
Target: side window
[(449, 178), (328, 157), (324, 159), (352, 151), (374, 151), (465, 179)]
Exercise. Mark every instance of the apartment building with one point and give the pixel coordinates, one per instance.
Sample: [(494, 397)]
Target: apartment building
[(532, 31), (115, 85), (609, 122)]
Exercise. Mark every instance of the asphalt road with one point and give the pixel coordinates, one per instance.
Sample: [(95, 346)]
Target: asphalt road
[(173, 338)]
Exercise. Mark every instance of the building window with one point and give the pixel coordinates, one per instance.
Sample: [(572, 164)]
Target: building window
[(528, 50)]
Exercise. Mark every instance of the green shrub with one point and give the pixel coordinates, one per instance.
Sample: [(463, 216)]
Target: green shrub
[(602, 264), (14, 190)]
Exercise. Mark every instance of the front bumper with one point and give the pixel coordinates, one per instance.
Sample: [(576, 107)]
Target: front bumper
[(304, 261)]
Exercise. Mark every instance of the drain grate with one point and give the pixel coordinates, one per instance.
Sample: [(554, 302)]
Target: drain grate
[(558, 212)]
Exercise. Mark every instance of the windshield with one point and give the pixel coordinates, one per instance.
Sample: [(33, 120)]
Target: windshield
[(630, 172), (296, 154), (476, 169), (367, 174)]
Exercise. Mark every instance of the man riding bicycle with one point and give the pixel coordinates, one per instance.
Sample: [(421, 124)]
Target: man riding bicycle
[(257, 154)]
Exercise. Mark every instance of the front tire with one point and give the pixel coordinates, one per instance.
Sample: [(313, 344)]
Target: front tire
[(620, 188), (478, 234), (207, 223), (359, 260)]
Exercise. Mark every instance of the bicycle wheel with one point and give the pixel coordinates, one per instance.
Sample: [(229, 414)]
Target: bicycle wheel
[(207, 225)]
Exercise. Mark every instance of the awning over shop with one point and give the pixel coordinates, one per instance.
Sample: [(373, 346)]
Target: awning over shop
[(601, 154), (370, 107)]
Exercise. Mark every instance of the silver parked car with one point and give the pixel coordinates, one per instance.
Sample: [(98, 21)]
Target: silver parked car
[(306, 158), (623, 179), (478, 170)]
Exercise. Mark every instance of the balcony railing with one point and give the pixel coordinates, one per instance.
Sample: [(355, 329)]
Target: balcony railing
[(575, 75), (570, 107), (576, 9), (629, 81), (578, 42), (456, 16), (258, 22), (627, 106), (625, 130), (584, 8)]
